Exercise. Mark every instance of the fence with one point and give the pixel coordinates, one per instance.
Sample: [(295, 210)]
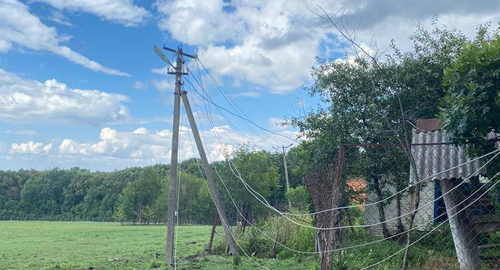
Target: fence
[(427, 206)]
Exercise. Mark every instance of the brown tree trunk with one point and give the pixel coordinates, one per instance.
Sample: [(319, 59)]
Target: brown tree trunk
[(325, 191), (400, 226), (380, 206), (244, 220)]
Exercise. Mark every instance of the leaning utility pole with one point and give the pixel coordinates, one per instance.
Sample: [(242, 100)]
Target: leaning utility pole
[(172, 196)]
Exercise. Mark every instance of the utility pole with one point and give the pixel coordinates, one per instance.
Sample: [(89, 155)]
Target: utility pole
[(211, 183), (172, 196), (286, 173)]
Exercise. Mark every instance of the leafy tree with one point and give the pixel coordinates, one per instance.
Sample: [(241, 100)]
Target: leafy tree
[(299, 198), (258, 170), (138, 197), (472, 104), (372, 101)]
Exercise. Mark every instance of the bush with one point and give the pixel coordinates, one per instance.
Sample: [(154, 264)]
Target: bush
[(279, 229)]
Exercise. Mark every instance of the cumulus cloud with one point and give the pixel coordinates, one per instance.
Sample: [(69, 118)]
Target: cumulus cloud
[(274, 43), (396, 20), (19, 26), (118, 11), (141, 130), (31, 101), (31, 147), (154, 147), (269, 43)]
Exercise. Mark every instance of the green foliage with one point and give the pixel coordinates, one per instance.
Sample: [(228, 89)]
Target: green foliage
[(259, 170), (137, 200), (138, 195), (472, 103), (259, 240), (299, 198)]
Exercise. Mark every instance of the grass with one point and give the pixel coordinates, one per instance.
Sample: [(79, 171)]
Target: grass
[(88, 245), (92, 246)]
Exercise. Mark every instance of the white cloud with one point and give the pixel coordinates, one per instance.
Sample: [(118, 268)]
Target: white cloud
[(30, 147), (141, 130), (58, 17), (47, 148), (145, 148), (22, 132), (119, 11), (251, 94), (140, 85), (268, 43), (277, 124), (31, 101), (161, 71), (163, 85), (274, 43), (19, 26)]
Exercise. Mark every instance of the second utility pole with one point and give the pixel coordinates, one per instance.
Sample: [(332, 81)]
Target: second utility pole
[(286, 175), (172, 196)]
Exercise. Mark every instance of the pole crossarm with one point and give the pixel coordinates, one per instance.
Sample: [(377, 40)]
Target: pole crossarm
[(172, 196), (179, 51)]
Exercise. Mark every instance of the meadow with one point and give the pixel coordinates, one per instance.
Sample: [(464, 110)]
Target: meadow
[(92, 246)]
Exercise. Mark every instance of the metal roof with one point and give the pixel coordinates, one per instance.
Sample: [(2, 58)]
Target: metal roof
[(435, 158)]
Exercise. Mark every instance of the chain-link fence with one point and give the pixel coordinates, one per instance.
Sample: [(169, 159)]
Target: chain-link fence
[(429, 205)]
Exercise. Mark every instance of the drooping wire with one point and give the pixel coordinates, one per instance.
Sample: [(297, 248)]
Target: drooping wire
[(218, 210), (226, 96), (338, 249), (242, 117), (208, 99), (435, 228), (265, 203)]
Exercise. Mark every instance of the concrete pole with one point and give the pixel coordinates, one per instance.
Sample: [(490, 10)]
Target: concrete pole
[(172, 192), (286, 176), (463, 235), (211, 183)]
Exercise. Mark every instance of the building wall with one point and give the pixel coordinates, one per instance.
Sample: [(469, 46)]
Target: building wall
[(423, 219)]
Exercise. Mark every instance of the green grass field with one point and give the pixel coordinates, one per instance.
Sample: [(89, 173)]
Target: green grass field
[(87, 245)]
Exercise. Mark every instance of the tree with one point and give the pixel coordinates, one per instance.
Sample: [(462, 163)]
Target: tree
[(138, 197), (367, 100), (258, 170), (471, 106)]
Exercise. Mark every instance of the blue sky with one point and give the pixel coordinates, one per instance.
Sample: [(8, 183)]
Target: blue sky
[(81, 86)]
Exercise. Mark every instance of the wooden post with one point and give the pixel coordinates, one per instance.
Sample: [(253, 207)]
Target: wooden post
[(211, 183), (214, 226), (463, 235)]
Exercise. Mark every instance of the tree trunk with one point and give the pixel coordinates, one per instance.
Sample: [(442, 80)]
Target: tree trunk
[(380, 206), (349, 220), (244, 220), (400, 226), (326, 193)]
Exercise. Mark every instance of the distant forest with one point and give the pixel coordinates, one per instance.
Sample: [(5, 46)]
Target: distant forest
[(139, 195)]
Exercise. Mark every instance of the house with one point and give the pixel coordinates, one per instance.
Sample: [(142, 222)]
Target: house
[(434, 159)]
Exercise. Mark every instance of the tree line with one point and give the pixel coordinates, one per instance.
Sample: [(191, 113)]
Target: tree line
[(139, 194)]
